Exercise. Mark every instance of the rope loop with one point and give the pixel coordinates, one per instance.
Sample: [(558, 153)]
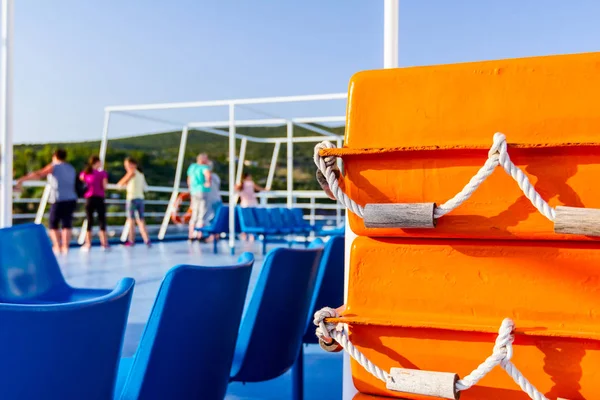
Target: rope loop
[(501, 355), (324, 330), (499, 146), (497, 155)]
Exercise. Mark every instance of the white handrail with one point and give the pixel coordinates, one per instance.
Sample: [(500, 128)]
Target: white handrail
[(311, 195)]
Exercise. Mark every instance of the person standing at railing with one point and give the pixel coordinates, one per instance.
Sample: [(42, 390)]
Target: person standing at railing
[(247, 189), (62, 179), (199, 182), (213, 200), (96, 182), (135, 183), (214, 196)]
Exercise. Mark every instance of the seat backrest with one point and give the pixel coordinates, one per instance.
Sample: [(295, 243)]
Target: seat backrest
[(67, 351), (246, 217), (261, 215), (329, 289), (288, 217), (276, 218), (299, 216), (275, 320), (187, 346), (28, 267), (220, 223)]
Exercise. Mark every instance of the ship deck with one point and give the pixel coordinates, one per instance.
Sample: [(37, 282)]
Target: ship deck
[(148, 266)]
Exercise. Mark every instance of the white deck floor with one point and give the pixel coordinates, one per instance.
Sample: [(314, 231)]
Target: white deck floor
[(148, 267)]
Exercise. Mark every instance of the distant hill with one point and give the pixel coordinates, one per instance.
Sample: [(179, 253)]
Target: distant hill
[(157, 154)]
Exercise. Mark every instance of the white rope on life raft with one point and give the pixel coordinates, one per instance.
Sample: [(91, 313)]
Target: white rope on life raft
[(502, 353), (498, 155)]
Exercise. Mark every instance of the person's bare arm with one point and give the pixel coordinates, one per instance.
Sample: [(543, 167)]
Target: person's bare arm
[(259, 188), (207, 178), (104, 183), (39, 174), (124, 180)]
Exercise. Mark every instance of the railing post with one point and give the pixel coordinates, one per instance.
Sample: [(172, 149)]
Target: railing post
[(84, 224), (176, 183), (312, 219), (232, 177), (42, 206), (290, 163), (104, 142), (6, 116), (125, 231), (273, 165)]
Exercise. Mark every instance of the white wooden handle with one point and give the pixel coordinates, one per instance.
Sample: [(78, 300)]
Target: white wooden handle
[(577, 221), (424, 383), (408, 215)]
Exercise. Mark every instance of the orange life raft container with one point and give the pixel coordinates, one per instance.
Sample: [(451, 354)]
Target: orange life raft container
[(433, 299)]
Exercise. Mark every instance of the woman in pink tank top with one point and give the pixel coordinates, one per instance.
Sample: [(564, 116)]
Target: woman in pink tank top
[(96, 180), (247, 190)]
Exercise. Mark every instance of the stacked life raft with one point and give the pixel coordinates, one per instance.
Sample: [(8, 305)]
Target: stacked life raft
[(473, 189)]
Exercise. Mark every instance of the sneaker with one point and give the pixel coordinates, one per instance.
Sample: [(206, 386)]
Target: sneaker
[(149, 244), (105, 248), (128, 244), (86, 248)]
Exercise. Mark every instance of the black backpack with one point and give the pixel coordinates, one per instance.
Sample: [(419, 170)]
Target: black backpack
[(80, 187)]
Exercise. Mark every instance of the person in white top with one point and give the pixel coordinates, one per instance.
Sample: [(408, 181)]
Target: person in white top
[(135, 184), (247, 189)]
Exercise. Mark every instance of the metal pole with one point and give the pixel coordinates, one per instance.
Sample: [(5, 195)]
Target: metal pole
[(241, 158), (43, 203), (273, 166), (390, 34), (232, 177), (104, 142), (348, 388), (312, 219), (125, 231), (176, 183), (290, 163), (6, 131), (83, 231), (271, 175)]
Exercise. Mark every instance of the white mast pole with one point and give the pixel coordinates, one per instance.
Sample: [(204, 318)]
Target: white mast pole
[(6, 128)]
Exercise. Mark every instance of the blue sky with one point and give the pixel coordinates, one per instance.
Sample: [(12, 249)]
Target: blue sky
[(73, 57)]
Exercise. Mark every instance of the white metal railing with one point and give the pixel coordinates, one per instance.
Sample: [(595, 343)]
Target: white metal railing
[(229, 131), (311, 195)]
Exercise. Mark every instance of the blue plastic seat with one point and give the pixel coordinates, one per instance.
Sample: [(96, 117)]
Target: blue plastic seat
[(255, 221), (29, 271), (300, 221), (278, 223), (329, 291), (261, 215), (63, 351), (288, 217), (219, 225), (339, 231), (274, 323), (187, 346)]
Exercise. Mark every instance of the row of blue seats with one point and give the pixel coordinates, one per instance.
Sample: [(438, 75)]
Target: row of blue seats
[(60, 342), (274, 222), (269, 223)]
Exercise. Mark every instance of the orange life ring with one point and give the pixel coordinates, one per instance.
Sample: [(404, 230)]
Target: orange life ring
[(185, 218)]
